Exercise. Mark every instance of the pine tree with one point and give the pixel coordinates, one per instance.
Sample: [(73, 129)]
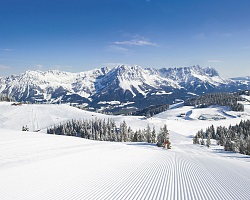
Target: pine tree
[(25, 128), (202, 141), (163, 137), (236, 145), (123, 132), (196, 139), (208, 142), (227, 146), (213, 135), (140, 136), (153, 135), (135, 137), (149, 134), (130, 134), (143, 136)]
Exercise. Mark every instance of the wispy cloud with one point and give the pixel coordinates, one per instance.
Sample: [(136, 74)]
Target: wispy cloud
[(215, 61), (226, 35), (125, 46), (119, 49), (6, 49), (111, 64), (186, 62), (200, 36), (136, 42), (4, 67), (39, 66), (61, 67)]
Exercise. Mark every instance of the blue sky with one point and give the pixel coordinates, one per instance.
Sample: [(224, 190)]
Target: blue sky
[(79, 35)]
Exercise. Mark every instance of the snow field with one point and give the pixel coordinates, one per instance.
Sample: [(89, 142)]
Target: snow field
[(40, 166), (190, 124), (39, 117)]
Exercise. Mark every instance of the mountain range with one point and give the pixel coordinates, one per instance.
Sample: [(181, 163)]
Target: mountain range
[(121, 86)]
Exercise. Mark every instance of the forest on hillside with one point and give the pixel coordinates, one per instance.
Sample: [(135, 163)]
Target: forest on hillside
[(233, 138), (244, 92), (7, 98), (106, 130), (150, 111), (221, 99)]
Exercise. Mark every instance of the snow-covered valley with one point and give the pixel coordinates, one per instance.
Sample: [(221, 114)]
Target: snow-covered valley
[(35, 165)]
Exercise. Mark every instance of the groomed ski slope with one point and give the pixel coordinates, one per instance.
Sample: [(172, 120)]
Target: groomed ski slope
[(40, 166)]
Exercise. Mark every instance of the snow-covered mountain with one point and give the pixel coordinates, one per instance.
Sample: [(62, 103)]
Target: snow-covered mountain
[(196, 79), (132, 83), (52, 86), (242, 80), (122, 83)]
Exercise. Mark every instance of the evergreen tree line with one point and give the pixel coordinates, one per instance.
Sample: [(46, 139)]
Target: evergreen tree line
[(244, 92), (151, 110), (234, 138), (4, 97), (221, 99), (106, 130)]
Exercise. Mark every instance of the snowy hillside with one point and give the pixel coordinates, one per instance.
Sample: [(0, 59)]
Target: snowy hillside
[(39, 117), (34, 165), (243, 80)]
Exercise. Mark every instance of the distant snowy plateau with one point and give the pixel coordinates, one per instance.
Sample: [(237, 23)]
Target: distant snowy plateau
[(125, 86)]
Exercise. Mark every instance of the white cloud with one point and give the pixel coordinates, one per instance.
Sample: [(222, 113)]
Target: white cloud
[(125, 46), (6, 49), (136, 42), (4, 67), (39, 67), (215, 61), (111, 64), (61, 67), (200, 36), (227, 35), (116, 48)]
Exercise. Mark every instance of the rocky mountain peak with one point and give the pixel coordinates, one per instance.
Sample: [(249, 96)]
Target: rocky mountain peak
[(121, 83)]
